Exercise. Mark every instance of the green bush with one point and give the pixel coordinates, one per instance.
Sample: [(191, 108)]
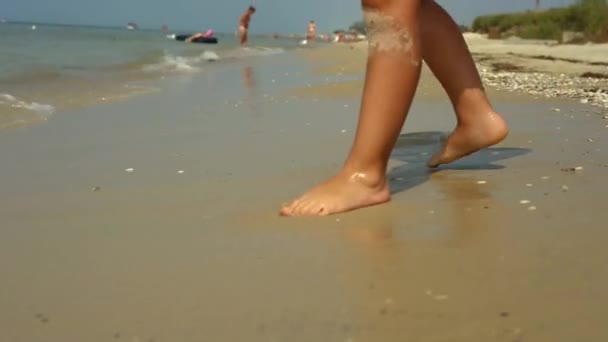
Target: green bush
[(588, 16)]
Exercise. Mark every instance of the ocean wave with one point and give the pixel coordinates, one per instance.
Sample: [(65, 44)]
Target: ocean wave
[(187, 64), (16, 112), (173, 63), (9, 100)]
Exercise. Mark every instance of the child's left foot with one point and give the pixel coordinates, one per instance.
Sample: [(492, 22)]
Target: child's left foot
[(344, 192), (469, 138)]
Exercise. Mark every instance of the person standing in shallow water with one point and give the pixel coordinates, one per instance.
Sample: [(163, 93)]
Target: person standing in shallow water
[(402, 33), (311, 31), (244, 20)]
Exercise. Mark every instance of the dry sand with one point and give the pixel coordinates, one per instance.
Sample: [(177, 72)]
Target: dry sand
[(590, 53), (157, 256)]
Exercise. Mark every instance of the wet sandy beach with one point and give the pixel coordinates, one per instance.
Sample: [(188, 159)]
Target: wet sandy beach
[(506, 245)]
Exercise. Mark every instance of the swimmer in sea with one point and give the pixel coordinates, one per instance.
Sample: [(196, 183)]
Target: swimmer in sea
[(401, 34), (311, 32), (244, 25), (207, 34)]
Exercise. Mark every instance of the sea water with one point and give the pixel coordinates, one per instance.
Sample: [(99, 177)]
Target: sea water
[(58, 67)]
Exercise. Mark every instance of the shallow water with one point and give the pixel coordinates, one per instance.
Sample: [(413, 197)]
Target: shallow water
[(54, 67)]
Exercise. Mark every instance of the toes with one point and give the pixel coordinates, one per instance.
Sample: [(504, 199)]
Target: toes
[(307, 208), (288, 209), (434, 161), (315, 208), (442, 157)]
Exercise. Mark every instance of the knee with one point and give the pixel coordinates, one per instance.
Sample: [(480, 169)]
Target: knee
[(375, 4)]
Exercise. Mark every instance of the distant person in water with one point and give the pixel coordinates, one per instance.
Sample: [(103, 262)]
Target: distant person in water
[(244, 25), (401, 34), (311, 32), (207, 34)]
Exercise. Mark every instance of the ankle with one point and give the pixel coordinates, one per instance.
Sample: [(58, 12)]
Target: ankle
[(371, 175), (471, 105)]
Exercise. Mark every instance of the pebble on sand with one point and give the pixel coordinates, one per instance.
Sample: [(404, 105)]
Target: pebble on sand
[(529, 185), (180, 172), (482, 182), (572, 169), (524, 202), (565, 188), (436, 296), (96, 188), (532, 208), (130, 170)]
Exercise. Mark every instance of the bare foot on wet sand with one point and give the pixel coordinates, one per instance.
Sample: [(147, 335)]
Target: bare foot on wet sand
[(469, 138), (344, 192)]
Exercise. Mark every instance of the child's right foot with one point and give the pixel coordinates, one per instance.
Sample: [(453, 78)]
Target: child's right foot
[(469, 138), (344, 192)]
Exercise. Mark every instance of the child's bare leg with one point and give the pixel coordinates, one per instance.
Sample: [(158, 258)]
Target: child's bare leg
[(479, 125), (393, 70)]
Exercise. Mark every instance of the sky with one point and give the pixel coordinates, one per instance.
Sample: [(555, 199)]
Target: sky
[(221, 15)]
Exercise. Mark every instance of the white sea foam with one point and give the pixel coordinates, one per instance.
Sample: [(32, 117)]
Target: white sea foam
[(210, 56), (173, 63), (182, 64), (15, 112), (43, 110)]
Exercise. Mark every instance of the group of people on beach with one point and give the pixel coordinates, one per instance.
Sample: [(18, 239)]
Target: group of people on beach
[(401, 35), (243, 29)]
